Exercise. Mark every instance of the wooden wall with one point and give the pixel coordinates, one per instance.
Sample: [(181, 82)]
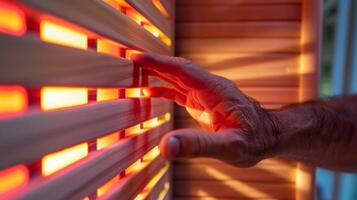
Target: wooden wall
[(74, 120), (270, 49)]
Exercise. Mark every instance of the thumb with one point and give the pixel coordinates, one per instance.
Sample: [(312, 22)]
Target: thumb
[(187, 143)]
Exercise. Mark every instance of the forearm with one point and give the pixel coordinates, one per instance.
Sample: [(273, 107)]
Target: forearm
[(321, 133)]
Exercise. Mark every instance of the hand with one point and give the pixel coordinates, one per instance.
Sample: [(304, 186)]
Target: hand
[(237, 129)]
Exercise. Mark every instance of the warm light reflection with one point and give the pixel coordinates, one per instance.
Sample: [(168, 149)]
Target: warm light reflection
[(134, 130), (105, 94), (108, 47), (164, 191), (85, 198), (134, 15), (152, 154), (153, 30), (201, 116), (61, 97), (12, 19), (151, 123), (134, 93), (160, 7), (167, 116), (143, 194), (13, 100), (61, 159), (236, 185), (107, 140), (104, 188), (135, 167), (129, 52), (56, 33), (13, 177)]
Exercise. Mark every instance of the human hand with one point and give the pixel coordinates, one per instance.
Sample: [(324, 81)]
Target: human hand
[(237, 129)]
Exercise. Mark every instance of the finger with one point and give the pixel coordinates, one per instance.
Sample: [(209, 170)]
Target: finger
[(186, 73), (171, 81), (167, 93), (188, 143)]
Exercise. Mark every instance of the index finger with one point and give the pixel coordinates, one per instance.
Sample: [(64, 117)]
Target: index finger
[(183, 70)]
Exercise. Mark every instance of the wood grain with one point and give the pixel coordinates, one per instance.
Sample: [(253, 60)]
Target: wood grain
[(55, 130), (84, 177), (148, 10), (237, 45), (237, 29), (233, 189), (229, 13), (30, 62), (104, 20), (259, 173)]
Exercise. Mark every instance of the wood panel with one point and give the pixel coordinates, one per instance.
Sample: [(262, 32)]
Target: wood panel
[(84, 177), (159, 187), (259, 173), (33, 63), (130, 186), (55, 130), (237, 45), (100, 18), (211, 161), (234, 2), (227, 13), (148, 10), (238, 29), (233, 189)]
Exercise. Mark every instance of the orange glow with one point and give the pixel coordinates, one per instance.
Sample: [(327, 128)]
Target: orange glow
[(58, 34), (113, 4), (201, 116), (134, 15), (62, 97), (167, 117), (134, 130), (134, 93), (108, 47), (166, 40), (61, 159), (85, 198), (152, 154), (13, 100), (135, 167), (151, 123), (107, 94), (104, 188), (13, 177), (130, 52), (153, 30), (12, 19), (160, 7), (107, 140), (143, 194)]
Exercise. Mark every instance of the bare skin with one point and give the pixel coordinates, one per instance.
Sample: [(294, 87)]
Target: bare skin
[(237, 130)]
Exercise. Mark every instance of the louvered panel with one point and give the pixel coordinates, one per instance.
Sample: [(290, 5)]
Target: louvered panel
[(234, 2), (74, 117), (98, 17)]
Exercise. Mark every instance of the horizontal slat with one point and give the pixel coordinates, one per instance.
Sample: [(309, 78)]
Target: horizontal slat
[(215, 198), (169, 5), (273, 95), (274, 69), (130, 186), (100, 18), (237, 29), (211, 161), (259, 173), (148, 10), (233, 2), (33, 63), (233, 189), (55, 130), (238, 45), (159, 187), (225, 13), (84, 177)]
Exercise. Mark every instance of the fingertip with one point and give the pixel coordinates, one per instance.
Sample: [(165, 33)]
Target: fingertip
[(170, 147), (136, 56)]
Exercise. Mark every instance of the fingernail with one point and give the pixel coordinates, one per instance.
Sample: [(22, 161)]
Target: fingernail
[(174, 147)]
